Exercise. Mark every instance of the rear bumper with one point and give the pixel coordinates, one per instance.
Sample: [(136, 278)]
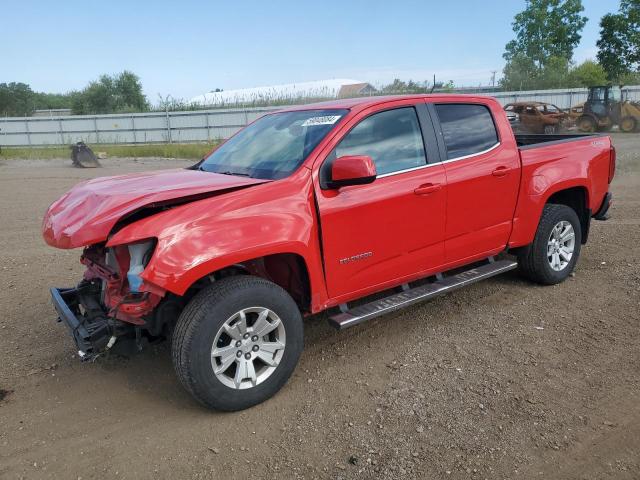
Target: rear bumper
[(90, 335), (603, 211)]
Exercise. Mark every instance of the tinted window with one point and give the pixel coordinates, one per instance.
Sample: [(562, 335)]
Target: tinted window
[(392, 139), (467, 129)]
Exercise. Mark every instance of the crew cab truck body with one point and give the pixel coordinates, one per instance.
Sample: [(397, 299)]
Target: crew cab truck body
[(313, 208)]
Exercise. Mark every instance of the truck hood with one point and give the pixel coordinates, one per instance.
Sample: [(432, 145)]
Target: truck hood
[(88, 212)]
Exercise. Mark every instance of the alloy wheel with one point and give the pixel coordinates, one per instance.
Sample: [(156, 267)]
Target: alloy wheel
[(560, 245), (248, 348)]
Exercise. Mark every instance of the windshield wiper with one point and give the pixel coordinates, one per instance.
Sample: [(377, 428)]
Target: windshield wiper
[(239, 174)]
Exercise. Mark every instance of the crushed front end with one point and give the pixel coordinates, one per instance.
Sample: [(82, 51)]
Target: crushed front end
[(112, 300)]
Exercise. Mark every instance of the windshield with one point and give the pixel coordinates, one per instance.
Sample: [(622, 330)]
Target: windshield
[(274, 146)]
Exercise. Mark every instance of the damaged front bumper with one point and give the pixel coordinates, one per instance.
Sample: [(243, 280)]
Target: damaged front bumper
[(92, 334)]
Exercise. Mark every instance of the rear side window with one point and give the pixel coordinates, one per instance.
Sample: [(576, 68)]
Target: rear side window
[(392, 139), (467, 129)]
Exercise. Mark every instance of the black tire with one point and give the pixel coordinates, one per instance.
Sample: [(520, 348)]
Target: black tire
[(628, 124), (586, 124), (533, 261), (199, 324)]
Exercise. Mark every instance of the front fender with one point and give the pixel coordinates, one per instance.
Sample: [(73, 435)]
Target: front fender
[(202, 237)]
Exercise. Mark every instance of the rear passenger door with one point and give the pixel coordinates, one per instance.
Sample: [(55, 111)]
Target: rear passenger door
[(483, 178)]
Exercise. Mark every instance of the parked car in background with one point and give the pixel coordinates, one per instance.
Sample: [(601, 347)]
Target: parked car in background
[(538, 117), (514, 120), (315, 208)]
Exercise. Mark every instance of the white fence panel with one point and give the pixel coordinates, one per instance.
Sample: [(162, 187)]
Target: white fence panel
[(196, 126)]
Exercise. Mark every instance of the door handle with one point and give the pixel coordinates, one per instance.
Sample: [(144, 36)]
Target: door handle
[(427, 188), (500, 172)]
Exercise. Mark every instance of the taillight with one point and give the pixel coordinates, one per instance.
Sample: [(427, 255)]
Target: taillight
[(612, 163)]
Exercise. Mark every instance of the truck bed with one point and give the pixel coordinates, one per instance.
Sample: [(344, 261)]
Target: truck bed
[(533, 140)]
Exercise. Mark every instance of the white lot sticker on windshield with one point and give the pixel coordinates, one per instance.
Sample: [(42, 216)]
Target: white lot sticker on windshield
[(325, 120)]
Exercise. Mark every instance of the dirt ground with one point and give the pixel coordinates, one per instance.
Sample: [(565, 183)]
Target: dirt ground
[(500, 380)]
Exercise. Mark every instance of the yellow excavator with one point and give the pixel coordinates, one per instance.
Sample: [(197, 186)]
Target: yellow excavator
[(606, 107)]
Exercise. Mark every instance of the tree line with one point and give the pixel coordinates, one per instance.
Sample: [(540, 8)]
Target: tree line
[(117, 93), (546, 35)]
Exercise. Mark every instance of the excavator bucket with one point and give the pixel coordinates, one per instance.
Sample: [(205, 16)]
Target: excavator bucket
[(83, 157)]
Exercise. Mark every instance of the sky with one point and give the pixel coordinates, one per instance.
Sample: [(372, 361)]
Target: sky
[(186, 48)]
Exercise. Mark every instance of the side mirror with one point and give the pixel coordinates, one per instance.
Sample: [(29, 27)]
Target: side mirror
[(352, 170)]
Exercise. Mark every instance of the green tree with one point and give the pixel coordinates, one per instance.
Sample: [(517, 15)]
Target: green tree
[(112, 94), (587, 74), (631, 78), (129, 91), (16, 99), (520, 73), (619, 43), (49, 101), (554, 74), (546, 29), (399, 86)]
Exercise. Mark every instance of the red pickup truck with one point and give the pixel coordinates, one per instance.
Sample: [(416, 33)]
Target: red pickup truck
[(315, 208)]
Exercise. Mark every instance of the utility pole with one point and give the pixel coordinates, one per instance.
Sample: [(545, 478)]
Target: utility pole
[(493, 77)]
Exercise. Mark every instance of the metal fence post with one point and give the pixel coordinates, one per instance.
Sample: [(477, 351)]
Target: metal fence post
[(168, 125), (60, 131), (133, 127), (95, 127), (206, 116), (26, 126)]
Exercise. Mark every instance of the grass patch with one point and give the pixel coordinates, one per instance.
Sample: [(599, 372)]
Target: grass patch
[(166, 150)]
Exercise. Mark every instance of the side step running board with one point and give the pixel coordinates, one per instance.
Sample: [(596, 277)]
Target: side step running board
[(411, 296)]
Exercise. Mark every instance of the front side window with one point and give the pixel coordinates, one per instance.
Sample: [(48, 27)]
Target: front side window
[(274, 146), (616, 94), (467, 128), (392, 139)]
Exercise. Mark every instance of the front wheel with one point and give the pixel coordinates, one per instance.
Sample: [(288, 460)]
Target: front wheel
[(237, 342), (552, 256), (586, 124)]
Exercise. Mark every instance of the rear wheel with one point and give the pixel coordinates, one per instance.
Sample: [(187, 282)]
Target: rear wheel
[(586, 124), (237, 342), (628, 124), (552, 256)]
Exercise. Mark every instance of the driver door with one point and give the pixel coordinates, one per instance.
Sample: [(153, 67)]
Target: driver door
[(386, 232)]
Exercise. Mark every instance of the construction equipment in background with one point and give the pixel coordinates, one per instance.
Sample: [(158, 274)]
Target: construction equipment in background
[(604, 108), (83, 157)]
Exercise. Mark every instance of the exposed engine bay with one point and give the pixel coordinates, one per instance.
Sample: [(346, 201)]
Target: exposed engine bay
[(112, 300)]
